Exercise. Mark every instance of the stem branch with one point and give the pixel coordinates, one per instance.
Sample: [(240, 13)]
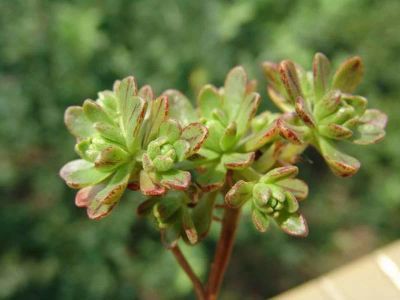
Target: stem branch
[(223, 252), (198, 286)]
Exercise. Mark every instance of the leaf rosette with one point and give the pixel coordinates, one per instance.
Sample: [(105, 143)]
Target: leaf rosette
[(118, 137), (320, 108)]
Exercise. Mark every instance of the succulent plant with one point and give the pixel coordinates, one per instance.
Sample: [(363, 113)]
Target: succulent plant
[(126, 138), (274, 196), (191, 162), (321, 110)]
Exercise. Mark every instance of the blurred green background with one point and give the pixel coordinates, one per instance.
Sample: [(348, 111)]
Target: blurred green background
[(57, 53)]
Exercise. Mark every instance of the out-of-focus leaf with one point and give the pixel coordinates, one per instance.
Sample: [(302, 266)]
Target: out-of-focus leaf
[(180, 107), (348, 75), (321, 74), (209, 99), (234, 91), (293, 224), (77, 123), (80, 173)]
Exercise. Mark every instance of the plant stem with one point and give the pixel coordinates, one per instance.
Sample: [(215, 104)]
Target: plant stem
[(223, 252), (198, 286)]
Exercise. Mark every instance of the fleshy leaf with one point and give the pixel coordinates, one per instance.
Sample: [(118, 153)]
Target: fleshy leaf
[(348, 75), (281, 173), (260, 220), (247, 110), (171, 130), (234, 89), (321, 74), (146, 93), (228, 139), (293, 224), (110, 132), (237, 161), (212, 177), (261, 195), (110, 157), (132, 109), (209, 100), (341, 164), (291, 201), (166, 208), (290, 79), (303, 112), (180, 107), (95, 113), (262, 137), (188, 227), (295, 186), (175, 179), (158, 112), (105, 200), (359, 103), (80, 173), (327, 105), (335, 131), (202, 214), (371, 128), (239, 194), (289, 132), (195, 134), (77, 123), (182, 149), (148, 187), (215, 130)]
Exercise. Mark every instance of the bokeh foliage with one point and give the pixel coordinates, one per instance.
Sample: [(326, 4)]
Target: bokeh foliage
[(57, 53)]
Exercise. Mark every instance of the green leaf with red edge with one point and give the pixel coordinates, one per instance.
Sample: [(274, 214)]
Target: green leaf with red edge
[(294, 224), (110, 132), (158, 113), (132, 109), (180, 107), (280, 173), (237, 161), (170, 129), (195, 134), (80, 173), (348, 75), (108, 101), (289, 132), (234, 91), (327, 105), (77, 123), (290, 79), (146, 93), (95, 113), (110, 158), (335, 131), (304, 113), (340, 163), (148, 187), (295, 186), (260, 220), (175, 179), (321, 74), (211, 177), (209, 99), (371, 127), (241, 192), (103, 201), (246, 113), (189, 227), (271, 72), (264, 136)]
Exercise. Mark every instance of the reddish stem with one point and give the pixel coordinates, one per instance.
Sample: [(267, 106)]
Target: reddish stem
[(223, 252)]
